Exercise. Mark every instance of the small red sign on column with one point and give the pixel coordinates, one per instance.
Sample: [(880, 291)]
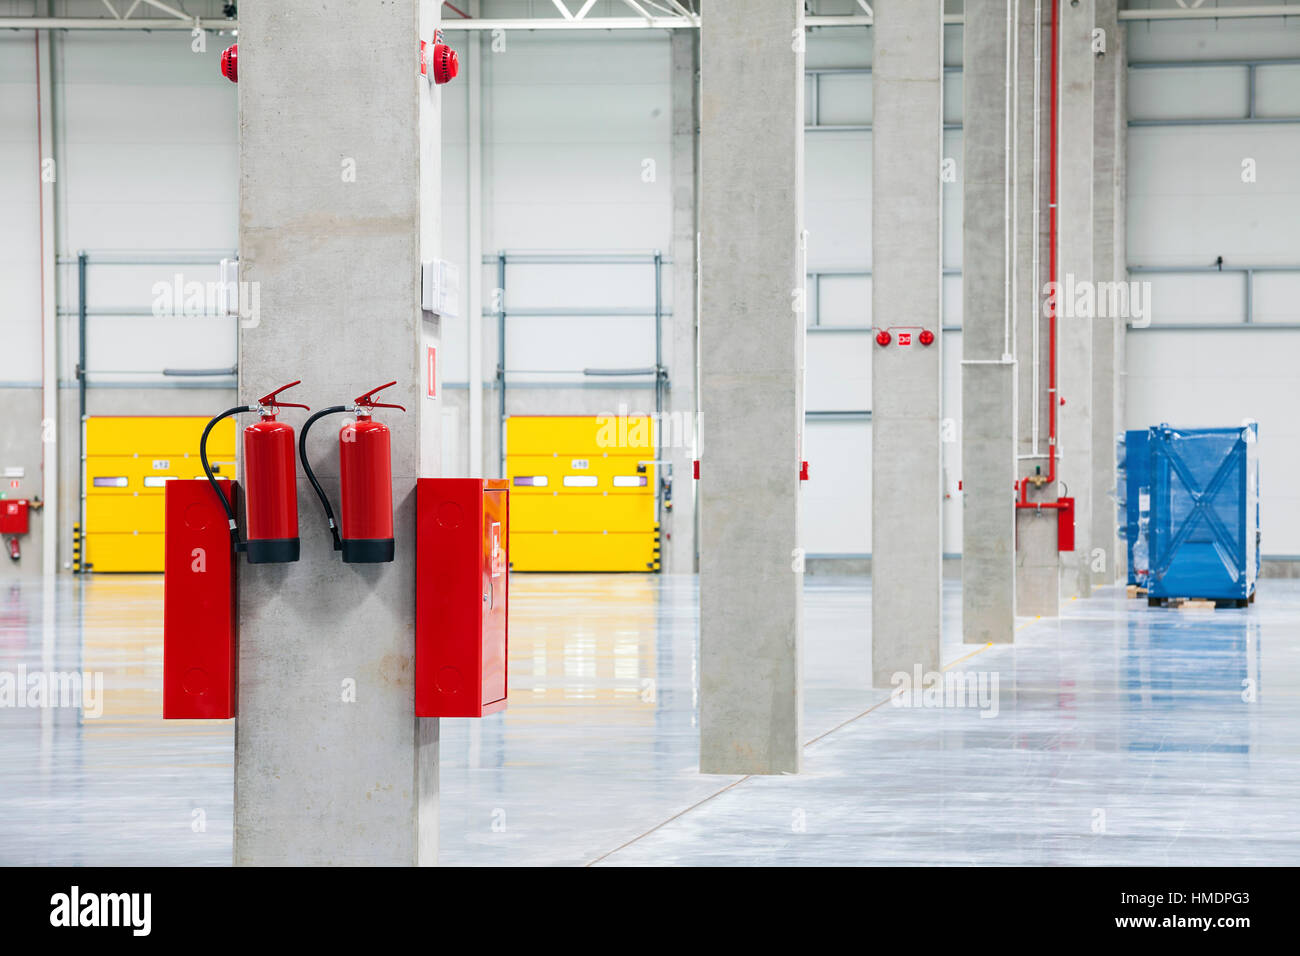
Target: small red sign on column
[(904, 338), (433, 372)]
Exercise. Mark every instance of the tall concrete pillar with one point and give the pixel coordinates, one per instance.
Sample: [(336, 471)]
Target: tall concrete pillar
[(1037, 559), (1109, 131), (1074, 317), (679, 547), (751, 385), (988, 368), (339, 201), (906, 244)]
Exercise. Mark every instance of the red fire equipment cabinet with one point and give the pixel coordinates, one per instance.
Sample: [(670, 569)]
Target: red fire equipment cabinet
[(461, 596), (13, 522), (1065, 524), (200, 601), (13, 516)]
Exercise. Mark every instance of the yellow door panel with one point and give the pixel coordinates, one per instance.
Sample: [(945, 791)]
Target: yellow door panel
[(127, 475), (616, 474), (129, 460), (109, 551), (579, 551), (124, 513), (585, 434), (157, 435), (572, 512), (577, 500)]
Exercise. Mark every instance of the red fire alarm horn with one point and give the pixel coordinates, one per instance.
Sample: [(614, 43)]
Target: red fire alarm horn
[(926, 337), (445, 64), (230, 64), (883, 337)]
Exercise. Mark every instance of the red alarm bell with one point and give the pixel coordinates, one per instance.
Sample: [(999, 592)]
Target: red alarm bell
[(445, 63), (230, 64)]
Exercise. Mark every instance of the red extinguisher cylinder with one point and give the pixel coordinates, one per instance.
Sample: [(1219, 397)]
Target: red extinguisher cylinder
[(272, 491), (366, 477)]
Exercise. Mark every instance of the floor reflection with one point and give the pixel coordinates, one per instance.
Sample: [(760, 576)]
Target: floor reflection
[(1118, 734)]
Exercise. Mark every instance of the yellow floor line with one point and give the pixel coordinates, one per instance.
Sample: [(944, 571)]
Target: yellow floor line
[(966, 657)]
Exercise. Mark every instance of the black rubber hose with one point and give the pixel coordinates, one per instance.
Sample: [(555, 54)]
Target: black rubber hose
[(311, 475), (207, 470)]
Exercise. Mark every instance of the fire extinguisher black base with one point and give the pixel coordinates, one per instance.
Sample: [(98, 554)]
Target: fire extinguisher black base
[(368, 550), (272, 550)]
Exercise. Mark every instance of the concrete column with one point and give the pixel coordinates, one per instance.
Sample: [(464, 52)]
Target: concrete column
[(1120, 247), (1109, 129), (678, 429), (1037, 560), (988, 380), (339, 183), (906, 454), (1075, 272), (751, 385), (472, 56)]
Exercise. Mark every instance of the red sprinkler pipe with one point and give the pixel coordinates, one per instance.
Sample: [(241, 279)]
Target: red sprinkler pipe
[(1052, 400)]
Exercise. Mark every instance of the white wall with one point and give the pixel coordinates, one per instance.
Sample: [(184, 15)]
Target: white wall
[(1187, 205), (20, 261), (570, 123), (838, 212), (147, 135), (146, 142)]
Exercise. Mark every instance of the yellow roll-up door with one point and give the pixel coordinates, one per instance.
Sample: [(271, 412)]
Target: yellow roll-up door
[(582, 493), (128, 460)]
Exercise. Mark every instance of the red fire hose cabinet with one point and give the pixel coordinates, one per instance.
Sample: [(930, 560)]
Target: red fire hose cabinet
[(461, 596)]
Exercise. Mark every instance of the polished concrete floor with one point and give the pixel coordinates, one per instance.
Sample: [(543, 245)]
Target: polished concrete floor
[(1117, 734)]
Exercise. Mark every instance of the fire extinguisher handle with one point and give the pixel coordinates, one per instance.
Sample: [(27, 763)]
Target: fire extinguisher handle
[(212, 479), (311, 475), (272, 402), (367, 400)]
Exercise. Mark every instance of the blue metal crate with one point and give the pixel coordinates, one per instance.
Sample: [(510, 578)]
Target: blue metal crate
[(1134, 496), (1204, 525)]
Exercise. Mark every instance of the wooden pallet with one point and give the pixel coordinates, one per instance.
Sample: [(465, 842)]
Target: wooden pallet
[(1198, 604)]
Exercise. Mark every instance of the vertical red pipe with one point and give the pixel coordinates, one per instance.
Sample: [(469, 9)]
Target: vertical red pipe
[(1051, 258), (1052, 400)]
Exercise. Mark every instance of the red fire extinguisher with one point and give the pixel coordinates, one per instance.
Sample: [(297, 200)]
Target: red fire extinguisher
[(366, 480), (271, 483)]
